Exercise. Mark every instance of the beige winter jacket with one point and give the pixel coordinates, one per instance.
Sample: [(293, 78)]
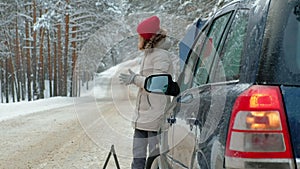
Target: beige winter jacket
[(151, 107)]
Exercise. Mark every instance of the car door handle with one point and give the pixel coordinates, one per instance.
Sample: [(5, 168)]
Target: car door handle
[(192, 121), (185, 98)]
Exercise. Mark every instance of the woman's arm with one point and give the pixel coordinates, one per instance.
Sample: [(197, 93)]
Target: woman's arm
[(161, 64)]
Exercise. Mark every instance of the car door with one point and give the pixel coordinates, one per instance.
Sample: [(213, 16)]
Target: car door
[(225, 87), (191, 106), (182, 137)]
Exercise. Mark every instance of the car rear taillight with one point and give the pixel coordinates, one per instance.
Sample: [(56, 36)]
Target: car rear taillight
[(258, 136)]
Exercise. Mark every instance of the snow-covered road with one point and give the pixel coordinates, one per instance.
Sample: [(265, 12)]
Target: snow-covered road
[(76, 136)]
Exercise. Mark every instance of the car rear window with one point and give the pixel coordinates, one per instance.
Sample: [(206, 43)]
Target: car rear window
[(281, 56)]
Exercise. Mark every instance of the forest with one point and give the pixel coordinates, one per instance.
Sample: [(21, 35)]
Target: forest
[(42, 43), (39, 45)]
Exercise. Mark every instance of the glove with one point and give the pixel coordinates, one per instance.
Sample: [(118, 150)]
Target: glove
[(127, 79)]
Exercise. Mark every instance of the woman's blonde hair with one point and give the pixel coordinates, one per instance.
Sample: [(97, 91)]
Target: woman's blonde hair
[(151, 43)]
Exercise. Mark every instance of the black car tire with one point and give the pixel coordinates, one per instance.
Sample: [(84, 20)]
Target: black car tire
[(203, 163)]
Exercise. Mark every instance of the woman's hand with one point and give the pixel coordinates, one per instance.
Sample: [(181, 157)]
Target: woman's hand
[(127, 79)]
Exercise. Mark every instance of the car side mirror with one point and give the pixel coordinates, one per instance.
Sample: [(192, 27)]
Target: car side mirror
[(161, 84)]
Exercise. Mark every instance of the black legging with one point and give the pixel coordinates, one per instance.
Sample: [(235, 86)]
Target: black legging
[(142, 139)]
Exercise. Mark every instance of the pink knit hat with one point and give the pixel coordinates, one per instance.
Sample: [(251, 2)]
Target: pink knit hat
[(148, 27)]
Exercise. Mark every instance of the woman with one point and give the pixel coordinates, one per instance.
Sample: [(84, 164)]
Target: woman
[(150, 108)]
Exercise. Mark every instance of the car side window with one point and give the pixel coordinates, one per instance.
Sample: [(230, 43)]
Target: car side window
[(209, 49), (229, 62), (190, 65)]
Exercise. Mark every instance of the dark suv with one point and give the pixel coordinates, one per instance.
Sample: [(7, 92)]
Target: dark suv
[(239, 100)]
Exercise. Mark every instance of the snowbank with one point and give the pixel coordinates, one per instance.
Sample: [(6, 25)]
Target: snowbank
[(106, 86), (11, 110)]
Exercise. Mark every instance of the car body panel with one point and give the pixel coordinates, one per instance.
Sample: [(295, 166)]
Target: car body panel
[(291, 97)]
